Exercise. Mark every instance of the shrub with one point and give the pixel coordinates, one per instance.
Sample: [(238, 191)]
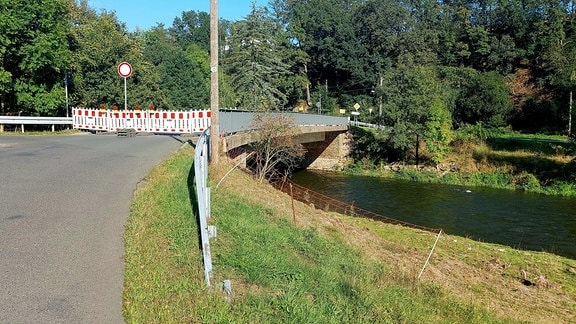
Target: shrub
[(526, 181), (485, 99)]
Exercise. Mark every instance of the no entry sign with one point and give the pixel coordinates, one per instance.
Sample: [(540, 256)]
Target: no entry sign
[(125, 69)]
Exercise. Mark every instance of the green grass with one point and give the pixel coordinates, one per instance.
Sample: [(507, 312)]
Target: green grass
[(163, 275), (533, 163), (280, 272)]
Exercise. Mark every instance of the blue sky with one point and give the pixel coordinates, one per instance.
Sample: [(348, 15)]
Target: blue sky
[(147, 13)]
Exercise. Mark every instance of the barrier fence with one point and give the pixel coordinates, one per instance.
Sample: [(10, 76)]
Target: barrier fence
[(174, 122), (326, 203)]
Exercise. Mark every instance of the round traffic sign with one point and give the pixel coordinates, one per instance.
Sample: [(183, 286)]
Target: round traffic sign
[(125, 69)]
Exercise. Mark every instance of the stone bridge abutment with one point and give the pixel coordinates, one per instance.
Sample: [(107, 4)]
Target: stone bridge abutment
[(327, 147)]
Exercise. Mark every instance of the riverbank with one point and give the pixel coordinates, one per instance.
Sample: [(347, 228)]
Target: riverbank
[(505, 161), (309, 265)]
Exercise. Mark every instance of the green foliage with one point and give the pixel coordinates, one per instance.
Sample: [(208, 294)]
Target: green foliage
[(102, 43), (413, 106), (438, 135), (328, 105), (400, 54), (477, 133), (526, 181), (541, 115), (34, 54), (179, 70), (254, 65), (485, 99), (193, 27)]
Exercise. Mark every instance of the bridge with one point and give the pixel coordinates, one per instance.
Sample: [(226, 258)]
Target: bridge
[(325, 138)]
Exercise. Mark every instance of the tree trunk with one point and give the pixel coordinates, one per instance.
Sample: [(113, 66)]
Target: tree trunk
[(570, 117), (308, 100)]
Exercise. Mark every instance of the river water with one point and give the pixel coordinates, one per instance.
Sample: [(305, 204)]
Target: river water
[(517, 219)]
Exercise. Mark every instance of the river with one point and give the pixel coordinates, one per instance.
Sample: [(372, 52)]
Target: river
[(521, 220)]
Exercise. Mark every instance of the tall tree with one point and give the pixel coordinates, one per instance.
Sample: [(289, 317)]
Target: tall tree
[(183, 72), (414, 108), (324, 29), (101, 42), (34, 55), (193, 27), (253, 62)]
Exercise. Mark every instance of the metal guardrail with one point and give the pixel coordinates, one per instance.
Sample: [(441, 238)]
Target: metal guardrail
[(201, 157), (362, 124), (27, 120)]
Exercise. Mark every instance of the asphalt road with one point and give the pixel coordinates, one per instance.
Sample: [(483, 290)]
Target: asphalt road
[(64, 201)]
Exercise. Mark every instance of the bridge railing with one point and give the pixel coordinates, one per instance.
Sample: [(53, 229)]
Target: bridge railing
[(238, 121)]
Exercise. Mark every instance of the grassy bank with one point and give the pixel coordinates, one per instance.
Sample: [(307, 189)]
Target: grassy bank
[(532, 163), (317, 267)]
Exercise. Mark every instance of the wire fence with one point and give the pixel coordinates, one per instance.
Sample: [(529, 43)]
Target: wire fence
[(329, 204)]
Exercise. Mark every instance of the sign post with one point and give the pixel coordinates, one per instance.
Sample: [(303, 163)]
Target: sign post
[(125, 70), (356, 113)]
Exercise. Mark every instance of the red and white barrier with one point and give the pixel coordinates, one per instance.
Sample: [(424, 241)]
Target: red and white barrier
[(173, 122)]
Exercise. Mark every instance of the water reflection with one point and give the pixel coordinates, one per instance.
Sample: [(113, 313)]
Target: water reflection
[(518, 219)]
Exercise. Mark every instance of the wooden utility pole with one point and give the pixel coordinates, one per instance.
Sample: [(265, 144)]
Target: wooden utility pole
[(214, 97)]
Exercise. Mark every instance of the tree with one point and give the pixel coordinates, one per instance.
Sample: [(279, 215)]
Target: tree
[(253, 63), (192, 28), (438, 134), (379, 25), (412, 107), (183, 72), (274, 145), (34, 55), (485, 99), (101, 42), (324, 29)]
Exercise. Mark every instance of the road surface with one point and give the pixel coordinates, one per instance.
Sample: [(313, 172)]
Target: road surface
[(64, 201)]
